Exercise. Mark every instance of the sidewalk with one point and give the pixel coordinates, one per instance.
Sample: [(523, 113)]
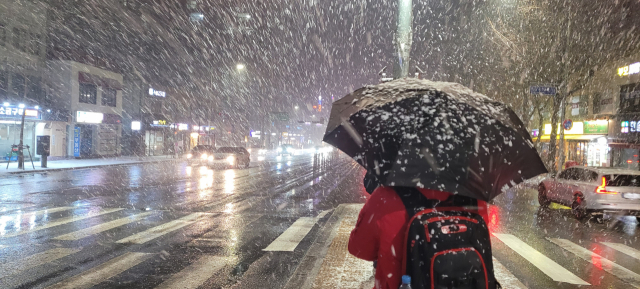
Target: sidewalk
[(71, 164)]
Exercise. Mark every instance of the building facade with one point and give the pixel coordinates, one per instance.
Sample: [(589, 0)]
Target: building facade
[(94, 98), (23, 37)]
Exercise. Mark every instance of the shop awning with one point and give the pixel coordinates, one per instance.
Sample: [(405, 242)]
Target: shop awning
[(580, 137)]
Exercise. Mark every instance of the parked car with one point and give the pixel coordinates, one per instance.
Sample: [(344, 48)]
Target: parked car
[(593, 190), (235, 157), (285, 150), (200, 153)]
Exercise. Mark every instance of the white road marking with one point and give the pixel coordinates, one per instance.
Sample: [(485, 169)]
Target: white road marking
[(64, 221), (38, 213), (322, 214), (543, 263), (34, 260), (196, 274), (612, 268), (290, 239), (3, 246), (624, 249), (155, 232), (77, 235), (505, 277), (99, 274)]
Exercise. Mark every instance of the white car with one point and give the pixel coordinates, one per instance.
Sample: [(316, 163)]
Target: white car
[(589, 190)]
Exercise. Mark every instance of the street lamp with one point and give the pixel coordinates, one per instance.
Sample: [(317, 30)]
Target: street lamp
[(296, 107), (240, 66)]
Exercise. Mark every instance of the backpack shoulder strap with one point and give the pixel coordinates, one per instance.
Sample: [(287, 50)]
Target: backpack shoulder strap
[(414, 201)]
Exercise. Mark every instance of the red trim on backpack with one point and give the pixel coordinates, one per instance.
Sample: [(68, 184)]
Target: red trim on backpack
[(435, 219), (486, 278)]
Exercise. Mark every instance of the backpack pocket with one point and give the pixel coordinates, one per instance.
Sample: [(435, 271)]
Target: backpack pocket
[(460, 268)]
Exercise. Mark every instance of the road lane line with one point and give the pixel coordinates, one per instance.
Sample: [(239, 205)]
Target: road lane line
[(624, 249), (64, 221), (322, 214), (102, 272), (543, 263), (505, 277), (37, 213), (34, 260), (157, 231), (610, 267), (77, 235), (196, 274), (290, 239)]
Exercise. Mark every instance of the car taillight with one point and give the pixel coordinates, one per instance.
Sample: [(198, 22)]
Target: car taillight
[(602, 189)]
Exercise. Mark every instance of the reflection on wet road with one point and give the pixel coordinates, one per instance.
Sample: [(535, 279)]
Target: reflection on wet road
[(283, 222)]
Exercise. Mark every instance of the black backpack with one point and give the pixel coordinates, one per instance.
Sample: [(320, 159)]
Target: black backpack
[(447, 243)]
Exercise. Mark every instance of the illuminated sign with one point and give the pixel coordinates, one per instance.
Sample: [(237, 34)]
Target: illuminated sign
[(160, 123), (159, 93), (89, 117), (633, 68), (135, 125), (596, 127), (578, 128), (183, 126), (624, 126), (17, 112)]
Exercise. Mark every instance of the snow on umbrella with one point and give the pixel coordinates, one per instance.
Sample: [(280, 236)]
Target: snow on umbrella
[(436, 135)]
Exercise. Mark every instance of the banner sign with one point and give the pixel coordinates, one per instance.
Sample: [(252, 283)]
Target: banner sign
[(596, 127), (76, 141)]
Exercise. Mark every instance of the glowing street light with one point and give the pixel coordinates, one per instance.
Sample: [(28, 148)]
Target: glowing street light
[(240, 66)]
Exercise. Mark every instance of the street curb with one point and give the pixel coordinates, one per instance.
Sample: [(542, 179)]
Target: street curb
[(87, 167)]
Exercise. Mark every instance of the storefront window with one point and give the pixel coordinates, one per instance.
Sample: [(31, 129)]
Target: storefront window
[(10, 135)]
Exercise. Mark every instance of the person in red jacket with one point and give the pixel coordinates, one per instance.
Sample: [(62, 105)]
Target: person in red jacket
[(379, 233)]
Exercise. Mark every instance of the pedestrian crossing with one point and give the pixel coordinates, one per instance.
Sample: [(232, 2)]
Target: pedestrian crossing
[(199, 270)]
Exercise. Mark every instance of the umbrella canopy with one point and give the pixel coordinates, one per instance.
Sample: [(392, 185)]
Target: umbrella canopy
[(436, 135)]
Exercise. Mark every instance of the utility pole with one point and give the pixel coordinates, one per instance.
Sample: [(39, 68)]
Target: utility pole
[(403, 39)]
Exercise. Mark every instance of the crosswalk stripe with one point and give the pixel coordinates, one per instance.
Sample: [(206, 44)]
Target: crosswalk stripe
[(624, 249), (102, 272), (196, 274), (543, 263), (505, 277), (155, 232), (77, 235), (40, 212), (610, 267), (34, 260), (290, 239), (64, 221)]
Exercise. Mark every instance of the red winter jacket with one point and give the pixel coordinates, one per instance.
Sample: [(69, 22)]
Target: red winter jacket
[(379, 233)]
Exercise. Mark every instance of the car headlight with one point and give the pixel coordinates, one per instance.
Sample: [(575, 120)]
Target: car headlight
[(210, 158), (231, 160), (249, 150), (279, 149), (289, 149), (203, 156), (189, 156)]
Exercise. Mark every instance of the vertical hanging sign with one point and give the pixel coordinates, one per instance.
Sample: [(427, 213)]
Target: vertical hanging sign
[(76, 141)]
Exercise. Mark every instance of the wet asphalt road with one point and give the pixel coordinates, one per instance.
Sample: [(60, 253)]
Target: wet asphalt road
[(180, 225)]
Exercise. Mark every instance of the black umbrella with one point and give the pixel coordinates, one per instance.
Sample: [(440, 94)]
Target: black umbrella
[(436, 135)]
